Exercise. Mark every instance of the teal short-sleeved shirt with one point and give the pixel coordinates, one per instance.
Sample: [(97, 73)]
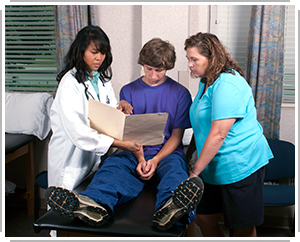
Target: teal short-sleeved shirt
[(245, 148)]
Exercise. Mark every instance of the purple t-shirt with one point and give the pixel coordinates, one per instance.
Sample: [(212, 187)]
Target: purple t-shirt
[(170, 97)]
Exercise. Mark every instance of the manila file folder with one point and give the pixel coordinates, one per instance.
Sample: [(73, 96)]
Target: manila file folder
[(145, 129)]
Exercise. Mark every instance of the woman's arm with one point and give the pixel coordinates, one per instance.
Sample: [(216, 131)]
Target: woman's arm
[(217, 135)]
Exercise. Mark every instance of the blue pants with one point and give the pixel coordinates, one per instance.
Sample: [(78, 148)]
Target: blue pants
[(116, 181)]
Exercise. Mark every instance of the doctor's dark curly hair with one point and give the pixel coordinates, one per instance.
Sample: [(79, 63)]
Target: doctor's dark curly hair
[(219, 59), (74, 58)]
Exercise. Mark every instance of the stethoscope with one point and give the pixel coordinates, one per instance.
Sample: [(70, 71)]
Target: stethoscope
[(87, 93)]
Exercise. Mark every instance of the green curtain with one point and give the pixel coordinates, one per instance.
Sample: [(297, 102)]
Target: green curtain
[(264, 65), (69, 20)]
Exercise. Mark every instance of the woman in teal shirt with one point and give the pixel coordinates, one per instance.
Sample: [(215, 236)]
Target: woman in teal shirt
[(232, 152)]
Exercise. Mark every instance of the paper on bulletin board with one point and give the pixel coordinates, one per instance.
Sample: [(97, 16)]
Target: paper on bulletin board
[(145, 129)]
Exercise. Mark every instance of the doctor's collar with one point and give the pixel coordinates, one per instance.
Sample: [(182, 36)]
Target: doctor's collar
[(95, 75)]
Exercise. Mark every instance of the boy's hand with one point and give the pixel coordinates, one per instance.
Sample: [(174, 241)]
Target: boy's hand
[(125, 107), (146, 169), (141, 168)]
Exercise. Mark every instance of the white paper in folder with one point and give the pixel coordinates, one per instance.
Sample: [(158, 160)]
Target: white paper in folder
[(145, 129)]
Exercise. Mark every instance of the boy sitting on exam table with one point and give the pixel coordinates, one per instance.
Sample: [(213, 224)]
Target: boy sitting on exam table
[(123, 176)]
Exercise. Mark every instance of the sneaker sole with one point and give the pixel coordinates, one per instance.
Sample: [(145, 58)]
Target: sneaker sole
[(68, 204), (185, 199)]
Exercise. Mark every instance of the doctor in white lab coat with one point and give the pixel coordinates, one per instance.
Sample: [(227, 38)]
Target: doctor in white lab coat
[(75, 149)]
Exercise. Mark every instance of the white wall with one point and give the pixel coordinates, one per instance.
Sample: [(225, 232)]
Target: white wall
[(168, 23), (122, 24), (129, 27), (287, 124)]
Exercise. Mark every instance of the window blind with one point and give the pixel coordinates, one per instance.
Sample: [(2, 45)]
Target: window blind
[(231, 24), (30, 58), (289, 55)]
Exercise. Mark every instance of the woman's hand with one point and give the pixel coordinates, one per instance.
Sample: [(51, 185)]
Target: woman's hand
[(126, 145), (125, 107)]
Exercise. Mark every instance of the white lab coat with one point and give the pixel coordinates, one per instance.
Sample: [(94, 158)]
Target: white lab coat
[(75, 149)]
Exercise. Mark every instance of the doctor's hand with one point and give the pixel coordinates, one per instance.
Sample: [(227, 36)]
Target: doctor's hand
[(126, 145), (125, 107)]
